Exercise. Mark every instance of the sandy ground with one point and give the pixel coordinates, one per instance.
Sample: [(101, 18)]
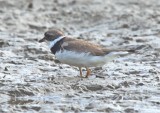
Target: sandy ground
[(31, 81)]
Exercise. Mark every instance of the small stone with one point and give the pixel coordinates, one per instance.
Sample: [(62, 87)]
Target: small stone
[(125, 26), (125, 83), (94, 87), (110, 86), (140, 40), (90, 106), (126, 64), (30, 5), (140, 84), (5, 69), (130, 110)]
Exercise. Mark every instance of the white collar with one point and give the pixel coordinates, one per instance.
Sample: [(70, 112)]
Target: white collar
[(52, 43)]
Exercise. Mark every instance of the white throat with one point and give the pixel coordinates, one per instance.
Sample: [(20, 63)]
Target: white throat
[(52, 43)]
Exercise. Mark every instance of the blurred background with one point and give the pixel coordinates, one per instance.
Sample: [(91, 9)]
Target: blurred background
[(31, 81)]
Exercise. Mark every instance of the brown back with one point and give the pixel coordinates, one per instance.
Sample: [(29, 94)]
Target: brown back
[(83, 46)]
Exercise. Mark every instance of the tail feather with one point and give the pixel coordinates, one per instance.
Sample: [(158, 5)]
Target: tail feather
[(107, 51), (118, 51), (113, 54)]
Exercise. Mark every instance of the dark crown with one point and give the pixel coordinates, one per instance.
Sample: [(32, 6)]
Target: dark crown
[(52, 34)]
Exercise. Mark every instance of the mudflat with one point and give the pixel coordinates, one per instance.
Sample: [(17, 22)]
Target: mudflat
[(32, 81)]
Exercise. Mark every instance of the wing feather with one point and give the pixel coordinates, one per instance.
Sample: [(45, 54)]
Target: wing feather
[(82, 46)]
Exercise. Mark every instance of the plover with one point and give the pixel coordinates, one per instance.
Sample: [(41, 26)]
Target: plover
[(78, 52)]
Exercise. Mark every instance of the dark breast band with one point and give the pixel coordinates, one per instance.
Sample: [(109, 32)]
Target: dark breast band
[(57, 46)]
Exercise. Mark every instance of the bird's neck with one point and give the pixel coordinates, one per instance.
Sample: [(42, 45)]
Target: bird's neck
[(55, 41), (55, 45)]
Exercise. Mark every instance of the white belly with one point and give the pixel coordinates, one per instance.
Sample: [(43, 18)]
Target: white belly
[(81, 59)]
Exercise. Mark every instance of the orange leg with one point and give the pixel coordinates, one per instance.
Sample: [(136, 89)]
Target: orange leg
[(80, 70), (88, 72)]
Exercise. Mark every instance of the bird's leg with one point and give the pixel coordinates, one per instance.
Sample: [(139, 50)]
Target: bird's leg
[(80, 70), (88, 72)]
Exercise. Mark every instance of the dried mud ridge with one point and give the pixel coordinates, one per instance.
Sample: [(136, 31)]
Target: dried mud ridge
[(31, 80)]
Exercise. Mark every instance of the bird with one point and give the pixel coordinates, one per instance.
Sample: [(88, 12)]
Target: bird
[(78, 52)]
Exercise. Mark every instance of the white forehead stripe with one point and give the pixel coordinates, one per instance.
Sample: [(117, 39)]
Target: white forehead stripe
[(52, 43)]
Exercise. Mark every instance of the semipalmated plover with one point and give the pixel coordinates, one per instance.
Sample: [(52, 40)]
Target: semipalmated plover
[(78, 52)]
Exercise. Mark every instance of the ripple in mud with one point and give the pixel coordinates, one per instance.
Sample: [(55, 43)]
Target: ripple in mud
[(32, 81)]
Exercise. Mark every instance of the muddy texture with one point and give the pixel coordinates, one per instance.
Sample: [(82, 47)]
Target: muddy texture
[(32, 81)]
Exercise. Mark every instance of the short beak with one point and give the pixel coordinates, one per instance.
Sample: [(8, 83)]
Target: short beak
[(42, 40)]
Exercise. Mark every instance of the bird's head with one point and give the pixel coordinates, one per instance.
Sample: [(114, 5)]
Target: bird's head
[(51, 35)]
